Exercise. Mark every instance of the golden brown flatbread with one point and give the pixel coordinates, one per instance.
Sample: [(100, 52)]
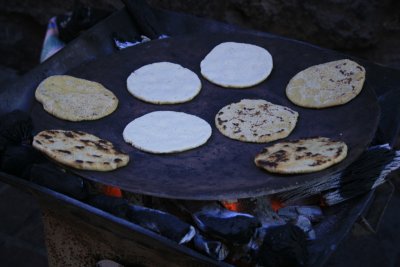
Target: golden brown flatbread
[(75, 99), (301, 156), (80, 150), (326, 85), (255, 120)]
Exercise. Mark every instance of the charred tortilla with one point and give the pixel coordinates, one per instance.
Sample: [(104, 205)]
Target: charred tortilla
[(301, 156), (325, 85), (255, 120), (80, 150)]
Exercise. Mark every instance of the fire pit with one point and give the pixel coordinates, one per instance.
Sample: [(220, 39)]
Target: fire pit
[(78, 234)]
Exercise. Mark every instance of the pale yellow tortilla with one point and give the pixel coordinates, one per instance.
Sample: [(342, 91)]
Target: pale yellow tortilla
[(75, 99), (326, 85)]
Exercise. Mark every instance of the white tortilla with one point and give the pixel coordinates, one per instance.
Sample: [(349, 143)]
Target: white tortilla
[(237, 65), (164, 83), (167, 132)]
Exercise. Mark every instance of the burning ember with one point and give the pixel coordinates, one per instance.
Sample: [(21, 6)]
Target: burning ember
[(247, 205), (276, 204), (112, 191), (232, 205)]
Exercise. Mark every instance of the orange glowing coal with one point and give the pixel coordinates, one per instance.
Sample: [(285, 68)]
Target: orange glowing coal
[(232, 205), (112, 191), (248, 206), (276, 204)]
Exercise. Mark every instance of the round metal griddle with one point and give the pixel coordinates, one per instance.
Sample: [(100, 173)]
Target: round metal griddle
[(222, 168)]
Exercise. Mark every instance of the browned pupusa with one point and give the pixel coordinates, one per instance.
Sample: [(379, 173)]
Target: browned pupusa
[(73, 99), (255, 120), (326, 85), (80, 150), (302, 155)]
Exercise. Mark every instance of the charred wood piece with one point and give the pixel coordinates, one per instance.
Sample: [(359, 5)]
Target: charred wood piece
[(313, 213), (114, 205), (16, 128), (58, 180), (304, 224), (233, 227), (290, 213), (17, 159), (213, 248), (162, 223), (283, 246)]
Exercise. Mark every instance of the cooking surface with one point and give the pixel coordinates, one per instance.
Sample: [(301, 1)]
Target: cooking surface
[(222, 168)]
